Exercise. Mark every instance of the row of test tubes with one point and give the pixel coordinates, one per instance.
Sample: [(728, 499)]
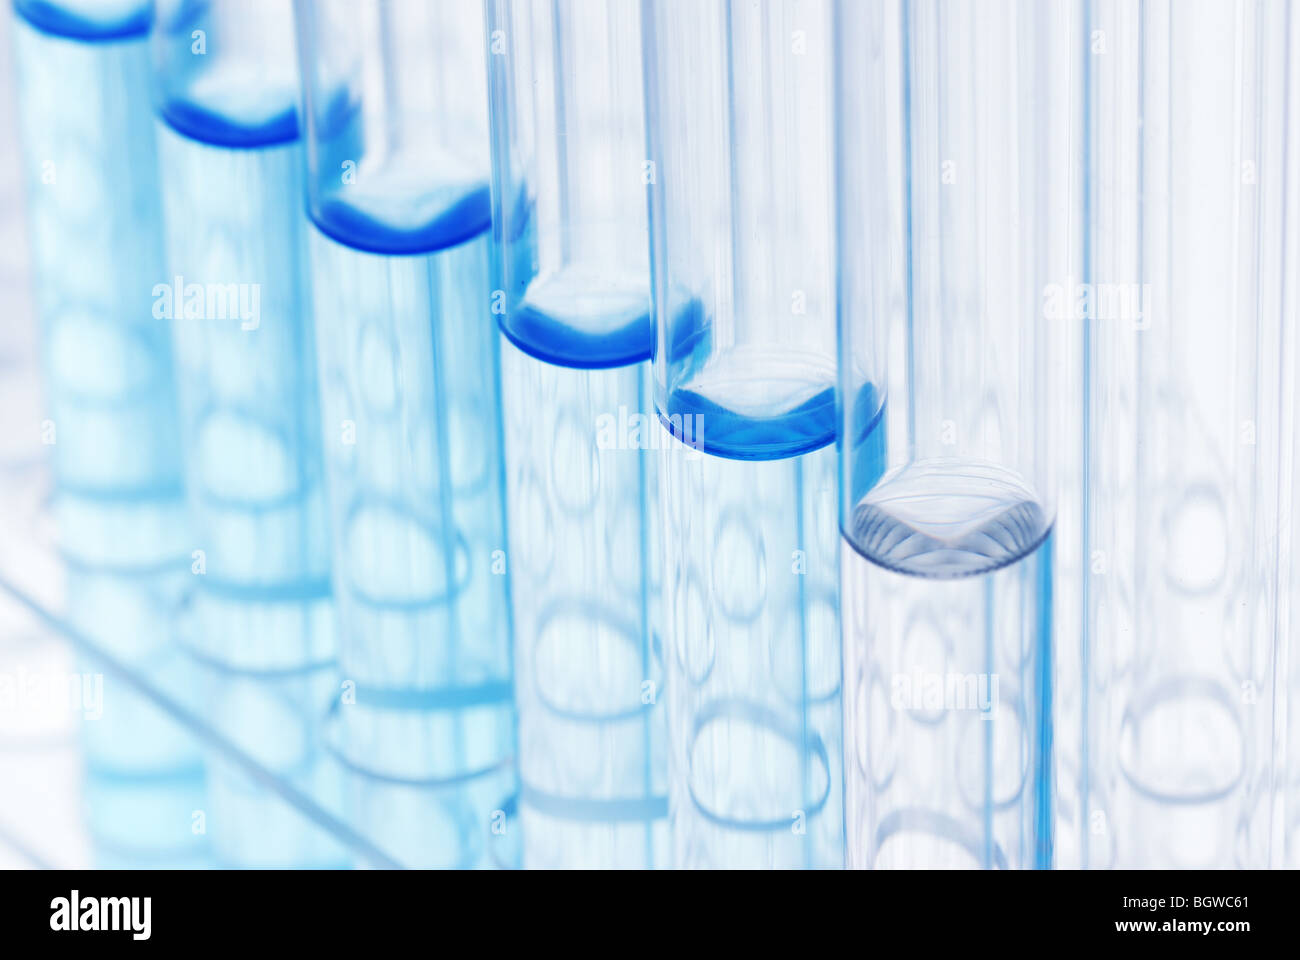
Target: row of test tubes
[(677, 433)]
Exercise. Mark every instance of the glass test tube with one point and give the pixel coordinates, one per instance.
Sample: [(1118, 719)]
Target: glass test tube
[(91, 169), (1192, 413), (738, 115), (261, 616), (399, 195), (572, 264), (21, 398), (227, 94), (958, 212), (274, 718)]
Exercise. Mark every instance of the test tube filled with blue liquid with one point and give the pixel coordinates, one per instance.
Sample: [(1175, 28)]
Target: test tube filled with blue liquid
[(572, 268), (738, 115), (90, 156), (957, 208), (236, 295), (227, 94), (399, 201)]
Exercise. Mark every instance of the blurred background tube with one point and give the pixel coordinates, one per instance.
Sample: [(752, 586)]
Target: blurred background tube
[(227, 92), (260, 615), (738, 114), (398, 194), (572, 268), (1191, 447), (91, 170), (959, 214)]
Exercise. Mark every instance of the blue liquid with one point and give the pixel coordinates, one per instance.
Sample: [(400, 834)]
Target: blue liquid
[(118, 502), (203, 125), (56, 20), (464, 218), (583, 316), (806, 428), (274, 719), (360, 213), (947, 713), (601, 331), (743, 402), (410, 382), (95, 226), (260, 604), (248, 400), (753, 650), (584, 546), (144, 779)]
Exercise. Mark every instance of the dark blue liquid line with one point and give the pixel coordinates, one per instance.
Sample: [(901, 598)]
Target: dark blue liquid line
[(708, 425), (555, 340), (724, 433), (199, 123), (548, 336), (338, 132), (464, 220), (804, 429), (51, 19)]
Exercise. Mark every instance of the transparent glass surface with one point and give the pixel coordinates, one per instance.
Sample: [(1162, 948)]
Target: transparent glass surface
[(91, 172), (582, 459), (752, 648), (188, 763), (958, 221), (570, 176), (225, 71), (958, 215), (258, 604), (738, 115), (109, 424), (948, 717), (573, 295), (1191, 417), (396, 123), (410, 390), (234, 292)]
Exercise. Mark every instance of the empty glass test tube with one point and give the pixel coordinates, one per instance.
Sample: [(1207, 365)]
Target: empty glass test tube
[(958, 215), (738, 115), (1192, 438), (573, 275), (399, 199)]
